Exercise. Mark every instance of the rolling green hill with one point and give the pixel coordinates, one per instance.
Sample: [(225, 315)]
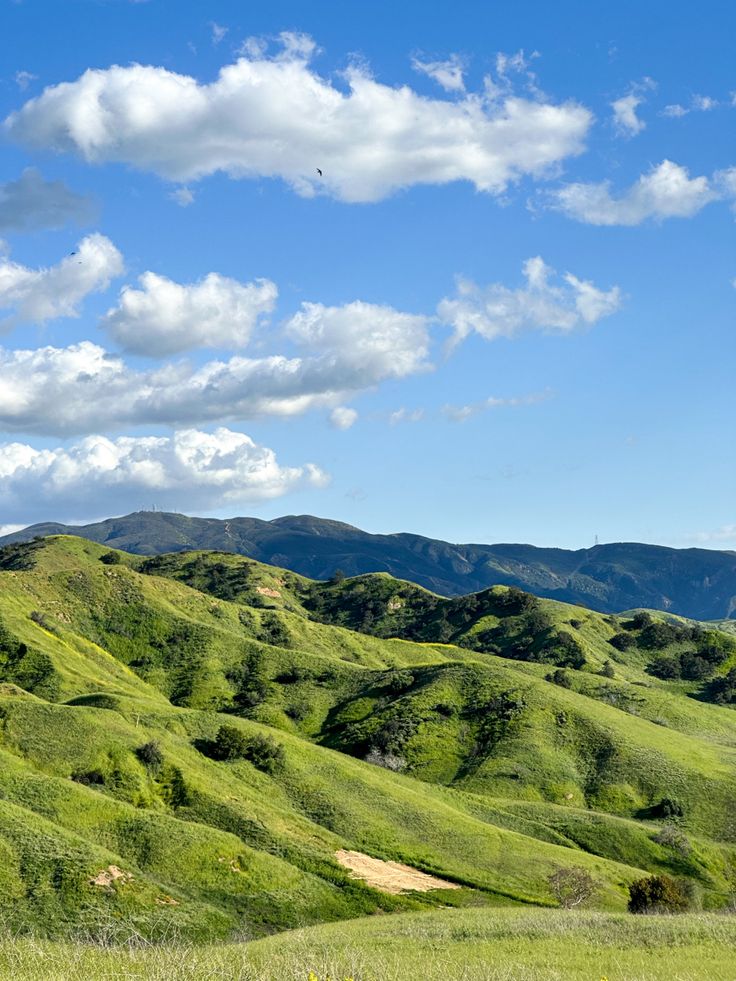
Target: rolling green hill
[(698, 583), (463, 737)]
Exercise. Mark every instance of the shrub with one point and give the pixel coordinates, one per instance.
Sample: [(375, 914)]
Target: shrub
[(273, 631), (639, 621), (665, 667), (399, 681), (266, 754), (111, 558), (262, 751), (40, 619), (389, 761), (230, 744), (657, 894), (562, 649), (671, 837), (622, 641), (572, 886), (150, 755), (608, 670), (576, 624), (668, 807), (723, 690), (560, 677), (658, 635)]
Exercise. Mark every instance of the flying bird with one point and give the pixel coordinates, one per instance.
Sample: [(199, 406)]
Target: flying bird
[(72, 253), (319, 172)]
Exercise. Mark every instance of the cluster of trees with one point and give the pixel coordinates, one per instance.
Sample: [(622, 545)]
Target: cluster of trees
[(27, 667), (262, 751)]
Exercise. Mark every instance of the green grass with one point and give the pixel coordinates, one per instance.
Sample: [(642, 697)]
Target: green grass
[(445, 945), (506, 776)]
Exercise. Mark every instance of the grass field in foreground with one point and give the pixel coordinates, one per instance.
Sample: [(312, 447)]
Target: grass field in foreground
[(442, 945)]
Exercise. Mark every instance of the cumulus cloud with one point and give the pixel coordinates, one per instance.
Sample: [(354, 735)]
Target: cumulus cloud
[(448, 74), (343, 417), (164, 317), (459, 413), (666, 191), (31, 202), (276, 117), (38, 295), (625, 119), (378, 341), (82, 388), (498, 311), (97, 474)]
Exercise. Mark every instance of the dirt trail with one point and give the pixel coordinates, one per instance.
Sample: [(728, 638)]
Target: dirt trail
[(390, 877)]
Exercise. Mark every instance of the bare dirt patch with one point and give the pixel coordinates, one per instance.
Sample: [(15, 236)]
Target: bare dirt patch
[(390, 877), (111, 874), (267, 591)]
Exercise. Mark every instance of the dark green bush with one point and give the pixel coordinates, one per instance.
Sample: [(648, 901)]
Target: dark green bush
[(560, 677), (230, 744), (111, 558), (657, 894), (622, 641)]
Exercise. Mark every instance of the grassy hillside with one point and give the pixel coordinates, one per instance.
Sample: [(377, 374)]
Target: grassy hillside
[(699, 583), (117, 673), (445, 945)]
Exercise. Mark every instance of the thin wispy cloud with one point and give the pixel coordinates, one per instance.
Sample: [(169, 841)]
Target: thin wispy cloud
[(461, 413)]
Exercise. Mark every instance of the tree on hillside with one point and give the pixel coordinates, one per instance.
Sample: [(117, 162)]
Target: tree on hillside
[(572, 886)]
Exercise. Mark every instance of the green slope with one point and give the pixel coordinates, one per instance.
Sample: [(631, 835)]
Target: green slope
[(506, 776)]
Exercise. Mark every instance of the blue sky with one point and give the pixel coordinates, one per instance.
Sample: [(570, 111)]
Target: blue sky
[(505, 311)]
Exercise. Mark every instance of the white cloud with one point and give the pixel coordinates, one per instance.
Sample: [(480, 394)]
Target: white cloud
[(666, 191), (184, 196), (698, 103), (10, 529), (83, 388), (23, 79), (625, 120), (276, 117), (218, 32), (376, 341), (405, 415), (99, 475), (343, 417), (164, 317), (30, 203), (723, 537), (459, 413), (498, 311), (448, 74), (38, 295)]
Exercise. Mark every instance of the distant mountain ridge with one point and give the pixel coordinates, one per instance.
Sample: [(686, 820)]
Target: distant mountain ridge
[(697, 583)]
